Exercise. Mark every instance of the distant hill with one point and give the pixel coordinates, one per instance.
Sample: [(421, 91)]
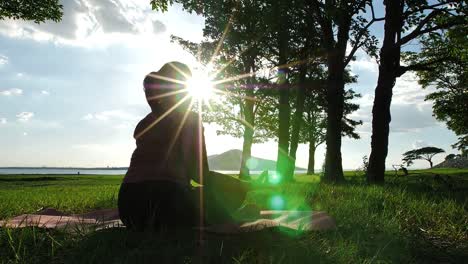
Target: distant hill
[(460, 163), (231, 160)]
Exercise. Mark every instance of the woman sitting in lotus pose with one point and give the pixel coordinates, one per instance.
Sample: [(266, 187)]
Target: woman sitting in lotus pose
[(170, 152)]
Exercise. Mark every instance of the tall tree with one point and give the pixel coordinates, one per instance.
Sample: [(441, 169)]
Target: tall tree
[(341, 23), (405, 21), (281, 10), (36, 10), (305, 54)]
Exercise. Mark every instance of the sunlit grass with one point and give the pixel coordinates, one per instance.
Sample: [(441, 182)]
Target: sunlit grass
[(413, 219)]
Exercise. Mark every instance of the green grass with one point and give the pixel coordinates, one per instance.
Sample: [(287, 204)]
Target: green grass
[(420, 218)]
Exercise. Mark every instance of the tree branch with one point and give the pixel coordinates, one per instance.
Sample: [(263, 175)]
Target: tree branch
[(418, 30), (419, 66), (358, 38), (408, 13)]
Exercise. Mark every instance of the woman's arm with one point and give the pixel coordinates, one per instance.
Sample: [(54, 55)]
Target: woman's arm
[(195, 146)]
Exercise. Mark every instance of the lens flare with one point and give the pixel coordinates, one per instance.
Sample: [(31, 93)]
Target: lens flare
[(200, 88), (277, 202), (274, 177)]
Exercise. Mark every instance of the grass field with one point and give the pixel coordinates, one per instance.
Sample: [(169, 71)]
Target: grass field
[(421, 218)]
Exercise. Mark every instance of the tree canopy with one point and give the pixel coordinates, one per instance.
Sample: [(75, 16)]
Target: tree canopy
[(35, 10), (445, 55)]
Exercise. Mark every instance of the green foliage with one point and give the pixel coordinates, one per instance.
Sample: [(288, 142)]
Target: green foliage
[(314, 118), (425, 153), (35, 10), (445, 56)]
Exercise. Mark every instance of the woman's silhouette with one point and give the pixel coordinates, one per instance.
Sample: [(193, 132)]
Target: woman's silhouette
[(170, 152)]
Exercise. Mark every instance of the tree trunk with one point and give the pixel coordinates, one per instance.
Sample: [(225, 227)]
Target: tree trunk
[(380, 128), (336, 53), (297, 122), (430, 163), (249, 118), (283, 161), (248, 139), (335, 102), (311, 166), (381, 117)]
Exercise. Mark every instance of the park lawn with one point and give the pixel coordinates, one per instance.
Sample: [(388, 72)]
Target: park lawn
[(420, 218)]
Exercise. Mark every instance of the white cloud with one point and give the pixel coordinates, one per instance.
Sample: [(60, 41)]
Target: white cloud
[(85, 22), (420, 144), (11, 92), (44, 92), (3, 120), (110, 115), (3, 60), (364, 63), (25, 116), (159, 27), (111, 17), (409, 110), (25, 133), (408, 91), (87, 117)]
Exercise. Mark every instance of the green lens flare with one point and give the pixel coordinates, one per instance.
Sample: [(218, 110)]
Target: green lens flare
[(274, 177), (277, 202), (252, 164)]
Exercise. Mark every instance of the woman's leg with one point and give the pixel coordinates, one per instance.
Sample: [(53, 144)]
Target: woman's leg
[(221, 196), (131, 206)]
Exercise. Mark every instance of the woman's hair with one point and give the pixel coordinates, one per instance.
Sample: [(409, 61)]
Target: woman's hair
[(168, 79)]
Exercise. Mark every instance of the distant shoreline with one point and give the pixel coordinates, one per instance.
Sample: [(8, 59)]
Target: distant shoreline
[(89, 171)]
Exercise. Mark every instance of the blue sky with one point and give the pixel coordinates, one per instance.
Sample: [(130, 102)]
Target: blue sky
[(71, 93)]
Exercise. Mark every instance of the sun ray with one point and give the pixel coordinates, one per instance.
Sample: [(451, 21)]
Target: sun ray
[(231, 61), (228, 93), (179, 128), (221, 41), (161, 117), (294, 63), (200, 166), (165, 78), (246, 123), (234, 78), (166, 94), (186, 76)]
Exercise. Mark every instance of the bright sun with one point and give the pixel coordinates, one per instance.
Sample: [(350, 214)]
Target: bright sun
[(200, 87)]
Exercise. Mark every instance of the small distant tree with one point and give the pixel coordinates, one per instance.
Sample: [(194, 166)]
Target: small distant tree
[(35, 10), (450, 157), (426, 153)]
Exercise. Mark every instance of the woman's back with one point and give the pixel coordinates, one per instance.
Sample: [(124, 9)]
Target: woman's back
[(166, 150)]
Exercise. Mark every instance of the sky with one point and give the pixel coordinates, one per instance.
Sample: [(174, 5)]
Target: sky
[(71, 92)]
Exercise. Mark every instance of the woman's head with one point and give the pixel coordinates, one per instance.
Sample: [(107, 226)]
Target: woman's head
[(165, 87)]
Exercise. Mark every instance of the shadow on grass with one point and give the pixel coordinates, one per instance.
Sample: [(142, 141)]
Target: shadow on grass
[(187, 246)]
